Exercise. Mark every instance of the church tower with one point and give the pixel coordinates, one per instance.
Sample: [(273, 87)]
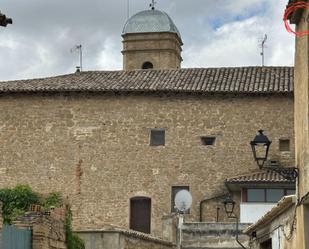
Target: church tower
[(151, 40)]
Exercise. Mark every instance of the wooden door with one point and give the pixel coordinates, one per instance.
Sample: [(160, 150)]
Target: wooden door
[(140, 214)]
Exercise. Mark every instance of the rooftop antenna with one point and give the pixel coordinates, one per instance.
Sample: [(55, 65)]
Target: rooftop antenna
[(78, 48), (263, 46), (153, 5)]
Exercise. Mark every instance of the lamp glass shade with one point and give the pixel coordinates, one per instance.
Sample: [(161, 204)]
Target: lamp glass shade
[(260, 147), (229, 205)]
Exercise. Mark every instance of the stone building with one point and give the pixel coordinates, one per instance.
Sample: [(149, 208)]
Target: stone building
[(120, 144)]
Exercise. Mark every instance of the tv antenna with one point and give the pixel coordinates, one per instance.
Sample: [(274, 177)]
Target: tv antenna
[(153, 5), (263, 46), (78, 48), (183, 202)]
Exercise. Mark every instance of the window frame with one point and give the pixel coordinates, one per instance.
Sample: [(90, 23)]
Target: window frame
[(151, 138), (180, 187), (204, 141), (245, 196), (282, 146)]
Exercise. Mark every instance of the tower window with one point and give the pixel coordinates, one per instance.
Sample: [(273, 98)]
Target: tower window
[(284, 144), (208, 140), (157, 137), (147, 65)]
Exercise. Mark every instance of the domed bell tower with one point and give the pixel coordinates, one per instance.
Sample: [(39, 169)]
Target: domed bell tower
[(151, 40)]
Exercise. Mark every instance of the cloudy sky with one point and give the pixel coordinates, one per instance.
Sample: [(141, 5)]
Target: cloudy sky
[(215, 33)]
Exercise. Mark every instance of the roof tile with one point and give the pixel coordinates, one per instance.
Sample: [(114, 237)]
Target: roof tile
[(261, 80), (261, 176)]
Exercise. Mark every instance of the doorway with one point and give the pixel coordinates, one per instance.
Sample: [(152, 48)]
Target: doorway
[(140, 214), (266, 244)]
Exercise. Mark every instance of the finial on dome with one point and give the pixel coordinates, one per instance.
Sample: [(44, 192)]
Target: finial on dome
[(152, 5)]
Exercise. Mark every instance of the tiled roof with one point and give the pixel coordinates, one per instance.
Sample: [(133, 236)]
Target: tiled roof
[(251, 80), (261, 176)]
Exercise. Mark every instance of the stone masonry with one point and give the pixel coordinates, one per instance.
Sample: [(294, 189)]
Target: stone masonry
[(301, 129), (94, 148), (48, 231), (163, 50), (113, 238)]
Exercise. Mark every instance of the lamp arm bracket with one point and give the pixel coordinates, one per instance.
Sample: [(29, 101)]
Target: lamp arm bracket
[(290, 173)]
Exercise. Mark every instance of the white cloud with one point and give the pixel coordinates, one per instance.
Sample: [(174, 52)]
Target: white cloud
[(110, 57), (38, 43)]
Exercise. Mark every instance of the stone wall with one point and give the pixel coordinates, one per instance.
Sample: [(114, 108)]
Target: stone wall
[(94, 148), (122, 239), (213, 235), (48, 231), (301, 127), (278, 230)]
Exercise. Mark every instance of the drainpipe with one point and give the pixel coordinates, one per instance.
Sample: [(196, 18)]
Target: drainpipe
[(206, 200), (237, 231)]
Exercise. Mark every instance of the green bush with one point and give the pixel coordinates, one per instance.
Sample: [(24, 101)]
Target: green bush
[(17, 201), (72, 240), (52, 200)]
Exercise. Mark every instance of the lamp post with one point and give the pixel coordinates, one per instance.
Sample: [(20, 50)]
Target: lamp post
[(260, 146), (4, 21), (229, 205)]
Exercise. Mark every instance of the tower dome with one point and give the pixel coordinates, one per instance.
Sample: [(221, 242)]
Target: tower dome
[(150, 21), (151, 40)]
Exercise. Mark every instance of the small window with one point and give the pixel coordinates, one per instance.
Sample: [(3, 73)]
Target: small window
[(274, 195), (147, 65), (175, 190), (256, 195), (284, 144), (266, 244), (140, 214), (157, 137), (208, 141), (266, 195)]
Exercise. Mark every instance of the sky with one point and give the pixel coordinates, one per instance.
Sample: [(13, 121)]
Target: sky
[(215, 33)]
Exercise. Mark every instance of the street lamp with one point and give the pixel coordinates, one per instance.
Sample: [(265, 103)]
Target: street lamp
[(4, 21), (229, 205), (260, 147)]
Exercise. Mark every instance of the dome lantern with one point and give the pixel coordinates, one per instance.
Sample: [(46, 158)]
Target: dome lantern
[(150, 37)]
